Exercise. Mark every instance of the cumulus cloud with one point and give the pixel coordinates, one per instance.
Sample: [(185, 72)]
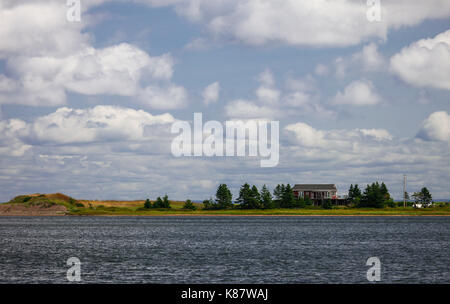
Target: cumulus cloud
[(425, 63), (357, 93), (246, 109), (120, 161), (38, 28), (115, 70), (10, 144), (370, 58), (211, 93), (308, 136), (336, 23), (364, 155), (436, 127), (47, 57), (168, 97), (299, 98), (97, 124)]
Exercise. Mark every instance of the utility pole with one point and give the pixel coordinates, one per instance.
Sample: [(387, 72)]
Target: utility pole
[(404, 190)]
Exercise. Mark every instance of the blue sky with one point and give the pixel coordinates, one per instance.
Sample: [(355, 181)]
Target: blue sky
[(86, 107)]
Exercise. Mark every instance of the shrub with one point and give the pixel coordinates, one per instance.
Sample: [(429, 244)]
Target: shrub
[(327, 204), (189, 205), (308, 201), (162, 203), (147, 204), (391, 203)]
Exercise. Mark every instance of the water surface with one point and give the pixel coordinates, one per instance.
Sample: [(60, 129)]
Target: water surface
[(224, 249)]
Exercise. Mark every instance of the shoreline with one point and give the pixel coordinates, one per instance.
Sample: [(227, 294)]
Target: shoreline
[(224, 215)]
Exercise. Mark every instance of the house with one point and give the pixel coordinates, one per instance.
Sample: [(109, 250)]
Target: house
[(318, 192)]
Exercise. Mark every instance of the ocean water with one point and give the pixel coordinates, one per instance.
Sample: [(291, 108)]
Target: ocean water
[(225, 249)]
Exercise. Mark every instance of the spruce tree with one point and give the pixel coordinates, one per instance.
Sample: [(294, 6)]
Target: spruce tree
[(223, 197), (266, 198), (147, 204)]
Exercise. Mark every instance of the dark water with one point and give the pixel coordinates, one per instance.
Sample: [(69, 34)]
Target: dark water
[(225, 249)]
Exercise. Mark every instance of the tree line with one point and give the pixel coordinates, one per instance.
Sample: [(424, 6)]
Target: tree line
[(250, 197), (375, 195)]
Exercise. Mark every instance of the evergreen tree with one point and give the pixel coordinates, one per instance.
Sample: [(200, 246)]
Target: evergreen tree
[(288, 199), (266, 198), (385, 192), (255, 198), (375, 196), (278, 194), (147, 204), (354, 194), (249, 198), (166, 203), (189, 205), (426, 196), (350, 193), (158, 203), (423, 197), (223, 197)]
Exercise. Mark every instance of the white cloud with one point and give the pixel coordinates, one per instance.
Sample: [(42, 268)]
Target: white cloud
[(164, 97), (358, 93), (370, 58), (306, 103), (267, 95), (247, 109), (38, 28), (436, 127), (377, 134), (309, 23), (306, 135), (47, 57), (343, 140), (266, 78), (115, 70), (300, 98), (10, 144), (98, 124), (425, 63), (199, 44), (211, 93)]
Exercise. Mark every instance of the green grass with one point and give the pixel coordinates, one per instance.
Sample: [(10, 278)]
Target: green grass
[(279, 212), (131, 208)]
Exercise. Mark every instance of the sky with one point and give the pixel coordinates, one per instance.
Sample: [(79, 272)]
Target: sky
[(361, 90)]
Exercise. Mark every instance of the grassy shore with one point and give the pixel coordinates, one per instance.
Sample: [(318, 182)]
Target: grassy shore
[(274, 212), (135, 208)]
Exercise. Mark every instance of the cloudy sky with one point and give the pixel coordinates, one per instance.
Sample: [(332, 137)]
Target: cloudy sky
[(86, 107)]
